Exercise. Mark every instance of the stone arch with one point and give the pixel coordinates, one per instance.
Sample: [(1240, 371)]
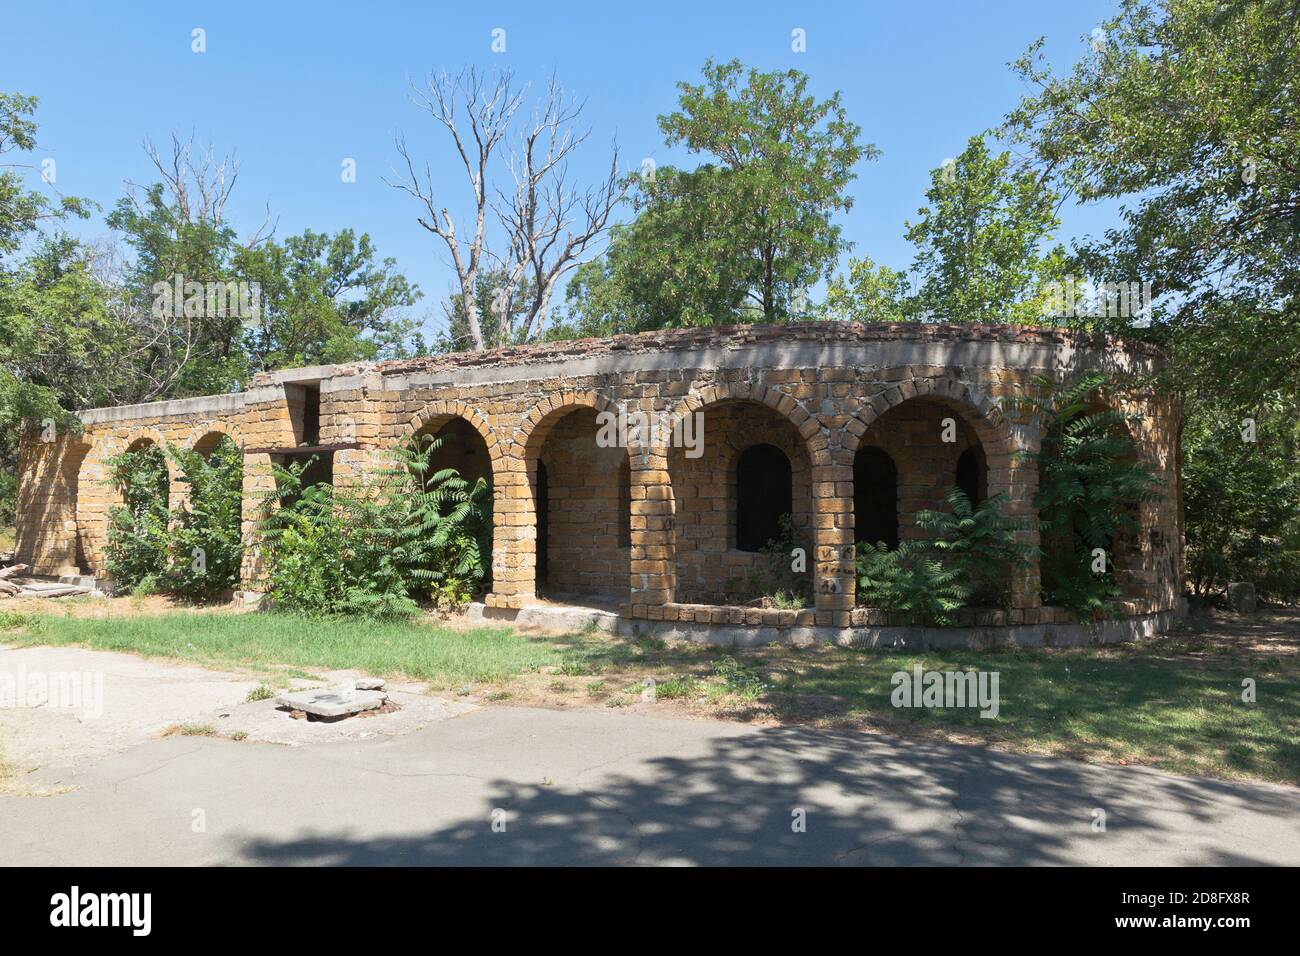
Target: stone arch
[(601, 567), (695, 542), (998, 447), (781, 402), (204, 437), (543, 416), (437, 413), (95, 496), (442, 414), (981, 413), (1141, 557)]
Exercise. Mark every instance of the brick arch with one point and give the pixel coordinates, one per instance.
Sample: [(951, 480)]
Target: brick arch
[(979, 411), (201, 432), (1134, 552), (998, 441), (516, 552), (442, 411), (784, 404), (541, 418), (96, 495), (112, 445), (810, 459)]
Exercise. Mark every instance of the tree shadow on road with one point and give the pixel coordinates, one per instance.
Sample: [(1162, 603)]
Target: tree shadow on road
[(864, 800)]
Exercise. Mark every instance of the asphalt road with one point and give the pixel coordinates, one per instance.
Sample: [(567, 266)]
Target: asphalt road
[(601, 787)]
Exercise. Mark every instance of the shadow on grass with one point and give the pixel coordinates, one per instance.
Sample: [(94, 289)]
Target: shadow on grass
[(1174, 703)]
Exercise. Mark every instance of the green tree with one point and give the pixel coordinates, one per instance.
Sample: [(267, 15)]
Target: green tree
[(1188, 111), (1090, 483), (493, 296), (741, 236), (205, 534), (22, 210), (30, 388), (323, 298), (868, 293), (981, 253), (137, 552)]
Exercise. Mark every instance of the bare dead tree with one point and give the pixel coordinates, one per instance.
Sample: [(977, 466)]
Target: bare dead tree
[(198, 183), (544, 225), (197, 186), (550, 224)]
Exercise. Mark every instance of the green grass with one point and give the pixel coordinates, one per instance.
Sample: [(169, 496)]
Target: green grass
[(1173, 703), (7, 538), (415, 650)]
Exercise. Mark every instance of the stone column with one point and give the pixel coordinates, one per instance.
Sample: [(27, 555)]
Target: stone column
[(514, 532), (834, 581), (1021, 484), (653, 572)]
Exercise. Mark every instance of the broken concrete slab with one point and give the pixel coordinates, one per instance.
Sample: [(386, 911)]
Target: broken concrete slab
[(369, 683), (332, 703)]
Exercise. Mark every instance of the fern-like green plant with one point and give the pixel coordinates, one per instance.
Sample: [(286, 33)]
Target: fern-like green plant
[(204, 540), (981, 542), (408, 533), (912, 581), (136, 553)]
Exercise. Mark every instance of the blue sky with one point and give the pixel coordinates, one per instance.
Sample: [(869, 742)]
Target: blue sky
[(296, 88)]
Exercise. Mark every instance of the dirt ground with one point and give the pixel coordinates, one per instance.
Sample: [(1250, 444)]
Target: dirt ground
[(108, 608), (122, 700)]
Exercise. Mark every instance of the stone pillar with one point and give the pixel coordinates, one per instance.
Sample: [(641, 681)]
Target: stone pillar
[(834, 581), (514, 532), (1020, 485), (46, 521), (259, 490), (653, 573)]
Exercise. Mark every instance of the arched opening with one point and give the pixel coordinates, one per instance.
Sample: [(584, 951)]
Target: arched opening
[(460, 446), (764, 490), (748, 483), (210, 516), (909, 460), (875, 497), (136, 551), (972, 475), (581, 490), (452, 443), (933, 446), (141, 475), (1095, 452)]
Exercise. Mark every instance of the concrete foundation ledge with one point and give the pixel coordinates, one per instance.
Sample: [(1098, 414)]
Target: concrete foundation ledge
[(544, 616), (1116, 631)]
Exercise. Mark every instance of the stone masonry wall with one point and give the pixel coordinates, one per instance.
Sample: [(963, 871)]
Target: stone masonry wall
[(819, 390)]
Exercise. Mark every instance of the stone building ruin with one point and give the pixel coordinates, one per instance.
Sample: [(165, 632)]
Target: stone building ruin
[(854, 427)]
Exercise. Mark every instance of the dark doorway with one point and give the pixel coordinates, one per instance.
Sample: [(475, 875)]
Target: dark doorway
[(764, 493), (875, 497), (972, 475)]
